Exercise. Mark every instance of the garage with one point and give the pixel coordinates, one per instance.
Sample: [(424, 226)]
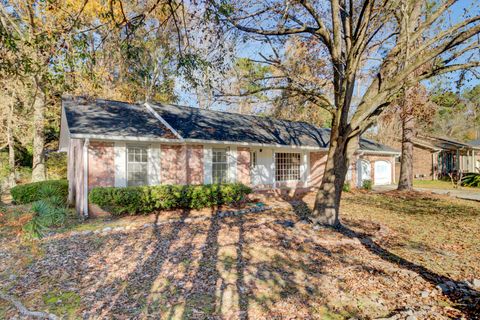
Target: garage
[(383, 173)]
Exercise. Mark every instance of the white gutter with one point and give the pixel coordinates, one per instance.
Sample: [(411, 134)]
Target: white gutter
[(121, 138), (204, 141), (165, 123), (85, 177)]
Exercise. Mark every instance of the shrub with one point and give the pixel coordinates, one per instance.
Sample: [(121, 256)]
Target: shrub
[(30, 192), (346, 187), (471, 180), (134, 200), (47, 213), (367, 184)]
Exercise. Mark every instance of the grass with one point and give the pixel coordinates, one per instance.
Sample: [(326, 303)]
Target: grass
[(252, 265), (440, 184), (437, 232), (64, 304)]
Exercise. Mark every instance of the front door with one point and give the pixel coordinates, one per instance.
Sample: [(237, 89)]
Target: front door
[(363, 172)]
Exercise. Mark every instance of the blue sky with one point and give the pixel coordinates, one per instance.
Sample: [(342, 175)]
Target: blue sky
[(252, 48)]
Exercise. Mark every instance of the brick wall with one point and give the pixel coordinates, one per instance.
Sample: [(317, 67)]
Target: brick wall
[(422, 161), (243, 165), (195, 173), (173, 163), (101, 170), (317, 167)]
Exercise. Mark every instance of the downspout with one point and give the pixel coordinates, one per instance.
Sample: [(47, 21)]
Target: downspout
[(85, 177)]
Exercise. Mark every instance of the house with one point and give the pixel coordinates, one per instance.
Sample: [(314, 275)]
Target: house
[(112, 143), (438, 157)]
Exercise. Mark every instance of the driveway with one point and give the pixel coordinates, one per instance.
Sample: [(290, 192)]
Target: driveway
[(456, 193)]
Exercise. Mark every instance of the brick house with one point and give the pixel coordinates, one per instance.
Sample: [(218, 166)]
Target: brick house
[(437, 157), (112, 143)]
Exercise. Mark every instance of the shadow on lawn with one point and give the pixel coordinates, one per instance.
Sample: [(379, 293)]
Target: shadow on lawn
[(200, 270), (464, 302), (467, 303)]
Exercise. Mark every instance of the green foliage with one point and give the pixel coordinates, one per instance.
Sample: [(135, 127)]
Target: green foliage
[(50, 211), (27, 193), (56, 164), (136, 200), (346, 187), (471, 180), (367, 184)]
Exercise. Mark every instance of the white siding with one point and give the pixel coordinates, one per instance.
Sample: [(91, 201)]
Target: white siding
[(154, 164), (207, 163), (232, 164), (304, 167), (120, 164)]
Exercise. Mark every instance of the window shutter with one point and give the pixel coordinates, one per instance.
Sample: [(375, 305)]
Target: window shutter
[(120, 164), (207, 164), (154, 165), (232, 164), (303, 167)]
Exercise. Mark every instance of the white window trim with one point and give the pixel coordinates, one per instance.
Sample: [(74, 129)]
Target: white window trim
[(275, 168), (147, 147), (227, 163)]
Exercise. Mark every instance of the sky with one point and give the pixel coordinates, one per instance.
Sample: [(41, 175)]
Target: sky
[(252, 48)]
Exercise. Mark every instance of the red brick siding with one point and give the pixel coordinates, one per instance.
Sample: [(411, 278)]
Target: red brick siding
[(101, 170), (317, 167), (422, 161), (195, 173), (173, 163), (243, 165)]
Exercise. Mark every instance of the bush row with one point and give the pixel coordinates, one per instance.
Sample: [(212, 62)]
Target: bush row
[(27, 193), (145, 199)]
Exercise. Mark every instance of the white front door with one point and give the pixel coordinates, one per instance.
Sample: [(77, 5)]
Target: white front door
[(383, 173), (363, 172), (261, 170)]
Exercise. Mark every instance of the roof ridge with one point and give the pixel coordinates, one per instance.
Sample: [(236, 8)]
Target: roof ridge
[(237, 114)]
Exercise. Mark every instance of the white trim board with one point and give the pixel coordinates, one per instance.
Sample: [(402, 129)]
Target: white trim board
[(214, 142), (165, 123)]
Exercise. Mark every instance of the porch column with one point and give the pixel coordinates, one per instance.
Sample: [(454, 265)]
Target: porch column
[(458, 160), (473, 161)]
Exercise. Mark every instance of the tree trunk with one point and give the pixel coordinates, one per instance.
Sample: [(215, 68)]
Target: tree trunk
[(327, 201), (405, 182), (38, 165), (11, 146)]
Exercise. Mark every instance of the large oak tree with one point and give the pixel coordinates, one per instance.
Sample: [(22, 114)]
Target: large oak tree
[(367, 47)]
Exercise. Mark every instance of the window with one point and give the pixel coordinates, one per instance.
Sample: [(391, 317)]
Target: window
[(137, 166), (253, 159), (287, 166), (219, 165)]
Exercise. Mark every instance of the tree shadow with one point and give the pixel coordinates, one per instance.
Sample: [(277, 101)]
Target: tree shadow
[(456, 291), (466, 298)]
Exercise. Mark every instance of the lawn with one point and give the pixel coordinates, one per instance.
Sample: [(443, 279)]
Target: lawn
[(387, 260), (439, 184)]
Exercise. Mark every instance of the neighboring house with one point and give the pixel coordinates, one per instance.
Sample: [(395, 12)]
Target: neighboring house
[(111, 143), (437, 157)]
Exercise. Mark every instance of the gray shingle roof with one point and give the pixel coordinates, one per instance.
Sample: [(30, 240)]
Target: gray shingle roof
[(195, 123), (105, 117), (475, 143), (112, 118)]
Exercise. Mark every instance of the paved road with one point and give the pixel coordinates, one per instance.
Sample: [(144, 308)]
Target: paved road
[(457, 193)]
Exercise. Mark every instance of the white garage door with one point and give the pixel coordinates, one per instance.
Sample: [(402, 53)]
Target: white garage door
[(383, 173)]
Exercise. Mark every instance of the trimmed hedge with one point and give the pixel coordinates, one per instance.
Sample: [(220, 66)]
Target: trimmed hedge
[(30, 192), (146, 199)]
